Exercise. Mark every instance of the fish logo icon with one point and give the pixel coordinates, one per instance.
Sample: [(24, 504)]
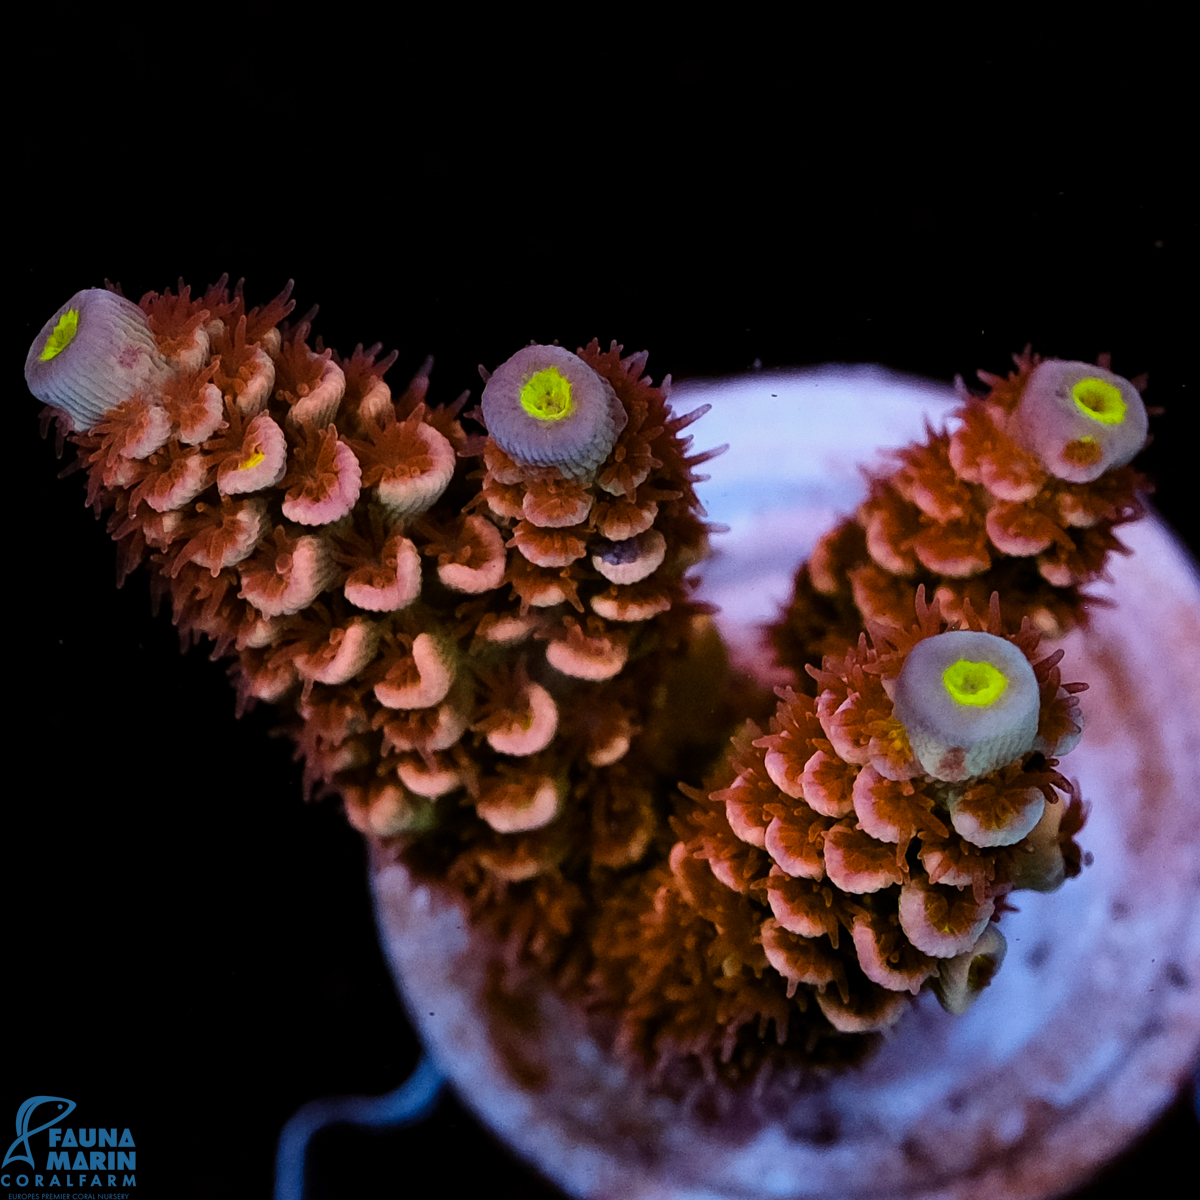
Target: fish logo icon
[(24, 1133)]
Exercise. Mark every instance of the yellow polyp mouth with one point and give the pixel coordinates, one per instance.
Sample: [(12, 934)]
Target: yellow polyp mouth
[(253, 461), (1100, 401), (976, 683), (547, 396), (62, 336)]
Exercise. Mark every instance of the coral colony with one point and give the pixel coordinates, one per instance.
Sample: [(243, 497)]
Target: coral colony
[(479, 626)]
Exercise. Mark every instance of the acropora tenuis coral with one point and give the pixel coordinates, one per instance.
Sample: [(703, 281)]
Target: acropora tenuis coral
[(480, 629)]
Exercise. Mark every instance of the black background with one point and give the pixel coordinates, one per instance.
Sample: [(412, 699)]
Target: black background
[(190, 948)]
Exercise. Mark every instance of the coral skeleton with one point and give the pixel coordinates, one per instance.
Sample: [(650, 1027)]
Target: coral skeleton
[(480, 630)]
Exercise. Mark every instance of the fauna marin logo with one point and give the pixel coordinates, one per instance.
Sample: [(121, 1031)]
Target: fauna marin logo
[(73, 1158)]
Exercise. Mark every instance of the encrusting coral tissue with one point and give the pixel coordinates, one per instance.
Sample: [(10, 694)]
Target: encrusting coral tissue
[(480, 629)]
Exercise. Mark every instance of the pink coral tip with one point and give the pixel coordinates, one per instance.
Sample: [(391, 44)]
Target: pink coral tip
[(441, 728), (801, 908), (406, 492), (632, 560), (145, 429), (857, 863), (421, 680), (790, 845), (261, 462), (826, 785), (528, 731), (428, 780), (329, 496), (780, 768), (840, 720), (381, 810), (889, 970), (505, 630), (203, 417), (484, 555), (232, 541), (743, 811), (346, 652), (392, 584), (582, 657), (799, 959), (179, 485), (619, 604), (283, 583), (519, 806), (941, 921), (319, 406), (257, 380), (871, 1012), (1017, 819)]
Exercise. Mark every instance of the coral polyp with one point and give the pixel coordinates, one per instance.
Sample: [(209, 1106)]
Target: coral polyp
[(1080, 420), (95, 352), (480, 630), (968, 703), (547, 407)]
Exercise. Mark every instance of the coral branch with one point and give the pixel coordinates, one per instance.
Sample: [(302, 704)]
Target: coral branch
[(485, 644)]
